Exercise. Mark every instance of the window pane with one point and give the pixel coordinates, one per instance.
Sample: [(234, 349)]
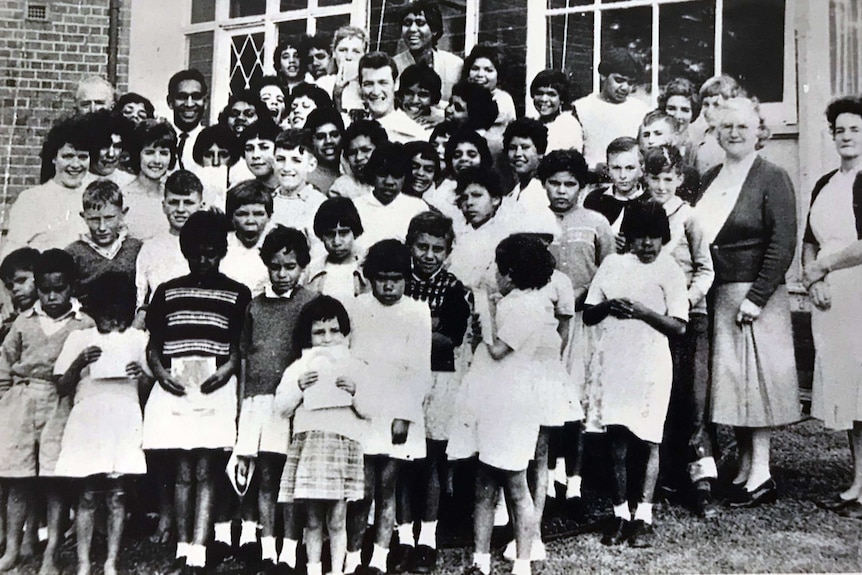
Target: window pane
[(687, 41), (330, 24), (332, 2), (554, 4), (753, 46), (287, 5), (201, 54), (570, 48), (239, 8), (246, 60), (203, 11), (631, 28), (387, 28), (291, 31)]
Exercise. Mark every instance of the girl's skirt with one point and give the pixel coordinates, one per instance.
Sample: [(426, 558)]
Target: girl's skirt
[(323, 465)]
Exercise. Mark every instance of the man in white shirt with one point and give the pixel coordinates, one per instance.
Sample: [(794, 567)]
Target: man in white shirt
[(187, 97), (611, 113), (377, 76)]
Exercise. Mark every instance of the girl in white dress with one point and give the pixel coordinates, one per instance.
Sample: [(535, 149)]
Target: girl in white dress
[(103, 368), (630, 369)]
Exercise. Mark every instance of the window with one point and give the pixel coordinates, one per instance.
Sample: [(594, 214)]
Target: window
[(696, 39), (231, 41)]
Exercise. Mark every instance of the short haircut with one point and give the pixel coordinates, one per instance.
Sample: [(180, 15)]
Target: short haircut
[(432, 223), (321, 308), (95, 81), (282, 238), (103, 125), (654, 116), (722, 85), (314, 93), (248, 97), (663, 159), (218, 135), (371, 129), (182, 75), (571, 161), (645, 220), (482, 110), (484, 177), (99, 193), (135, 98), (530, 129), (57, 261), (389, 158), (387, 256), (246, 193), (294, 139), (258, 84), (525, 260), (204, 228), (620, 61), (444, 128), (284, 45), (376, 61), (471, 137), (432, 14), (322, 116), (843, 105), (491, 52), (337, 211), (556, 80), (425, 151), (621, 145), (264, 128), (152, 133), (110, 293), (346, 32), (183, 183), (680, 87), (22, 259), (319, 41), (72, 131), (425, 77)]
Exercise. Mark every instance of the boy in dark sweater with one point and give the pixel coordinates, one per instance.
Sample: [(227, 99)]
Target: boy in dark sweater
[(267, 348)]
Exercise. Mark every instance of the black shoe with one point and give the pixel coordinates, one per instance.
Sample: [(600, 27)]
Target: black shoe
[(369, 570), (219, 552), (574, 509), (472, 570), (705, 506), (616, 532), (834, 503), (423, 560), (399, 558), (641, 534), (177, 567), (852, 511), (270, 567), (766, 492)]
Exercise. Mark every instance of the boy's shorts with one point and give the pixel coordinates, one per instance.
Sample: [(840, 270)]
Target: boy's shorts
[(31, 429)]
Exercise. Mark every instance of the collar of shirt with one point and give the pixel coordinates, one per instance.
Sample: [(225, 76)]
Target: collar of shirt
[(638, 192), (107, 252), (37, 311), (270, 293), (300, 194)]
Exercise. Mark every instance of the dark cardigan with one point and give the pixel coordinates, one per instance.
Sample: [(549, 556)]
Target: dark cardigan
[(757, 242), (809, 238)]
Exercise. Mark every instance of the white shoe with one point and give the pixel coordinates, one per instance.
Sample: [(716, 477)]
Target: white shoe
[(552, 489), (537, 551)]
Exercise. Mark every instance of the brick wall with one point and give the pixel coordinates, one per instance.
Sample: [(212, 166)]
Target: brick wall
[(40, 65)]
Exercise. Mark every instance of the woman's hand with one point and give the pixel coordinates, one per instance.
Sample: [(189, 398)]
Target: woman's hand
[(134, 370), (620, 243), (813, 273), (821, 295), (748, 312), (170, 384), (346, 384), (307, 379), (217, 380), (88, 356)]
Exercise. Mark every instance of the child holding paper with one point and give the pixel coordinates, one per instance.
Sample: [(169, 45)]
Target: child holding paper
[(195, 322), (102, 368), (323, 392)]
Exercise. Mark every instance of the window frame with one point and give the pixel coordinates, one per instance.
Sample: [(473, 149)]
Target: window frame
[(782, 117)]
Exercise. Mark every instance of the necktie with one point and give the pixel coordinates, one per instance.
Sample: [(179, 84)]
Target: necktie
[(183, 137)]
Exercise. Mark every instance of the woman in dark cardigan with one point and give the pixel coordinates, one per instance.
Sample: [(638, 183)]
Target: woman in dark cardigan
[(748, 211)]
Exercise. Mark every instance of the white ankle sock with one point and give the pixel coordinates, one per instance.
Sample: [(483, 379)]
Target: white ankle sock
[(288, 552), (428, 534), (521, 567), (573, 486), (483, 562), (405, 534), (267, 549), (644, 512), (622, 510), (248, 533), (314, 568), (183, 549), (378, 557), (222, 532), (352, 560), (197, 556)]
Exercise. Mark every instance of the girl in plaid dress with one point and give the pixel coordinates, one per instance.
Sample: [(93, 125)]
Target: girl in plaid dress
[(323, 392)]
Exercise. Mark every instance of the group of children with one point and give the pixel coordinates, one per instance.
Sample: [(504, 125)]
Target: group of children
[(354, 318)]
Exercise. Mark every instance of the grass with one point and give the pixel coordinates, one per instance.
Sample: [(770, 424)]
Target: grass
[(792, 535)]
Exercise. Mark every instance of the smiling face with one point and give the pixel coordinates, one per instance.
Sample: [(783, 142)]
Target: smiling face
[(625, 171), (178, 208), (616, 88), (109, 157), (338, 242), (104, 223), (21, 286), (327, 143), (70, 166), (663, 186), (737, 129), (326, 333), (680, 108), (358, 152), (300, 108), (477, 205), (388, 287), (188, 104), (249, 221), (215, 156), (421, 174), (377, 87), (847, 135), (273, 98), (289, 64), (428, 253), (416, 32), (484, 73), (465, 155), (240, 116), (523, 156), (260, 157), (292, 168), (155, 161), (284, 271), (135, 112), (55, 294), (416, 101), (547, 102), (563, 189)]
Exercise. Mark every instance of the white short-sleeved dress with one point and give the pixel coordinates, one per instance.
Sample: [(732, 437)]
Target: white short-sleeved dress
[(630, 370), (104, 431)]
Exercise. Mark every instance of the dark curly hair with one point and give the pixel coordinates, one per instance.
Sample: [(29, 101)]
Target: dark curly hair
[(525, 260)]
